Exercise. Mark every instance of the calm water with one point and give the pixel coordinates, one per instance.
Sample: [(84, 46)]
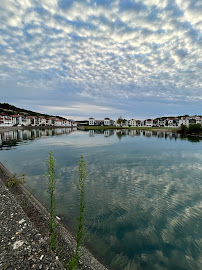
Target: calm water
[(143, 192)]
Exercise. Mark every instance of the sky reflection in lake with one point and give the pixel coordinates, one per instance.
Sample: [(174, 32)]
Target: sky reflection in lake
[(143, 193)]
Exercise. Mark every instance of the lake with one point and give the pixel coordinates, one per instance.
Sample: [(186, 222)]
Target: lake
[(143, 191)]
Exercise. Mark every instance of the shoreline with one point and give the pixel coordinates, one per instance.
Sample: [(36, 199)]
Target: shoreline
[(165, 129), (39, 217)]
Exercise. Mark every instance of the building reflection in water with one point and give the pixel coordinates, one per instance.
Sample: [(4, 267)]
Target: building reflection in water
[(133, 133), (12, 138)]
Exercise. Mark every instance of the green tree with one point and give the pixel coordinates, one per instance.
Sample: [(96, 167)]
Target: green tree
[(194, 129), (183, 129), (120, 120)]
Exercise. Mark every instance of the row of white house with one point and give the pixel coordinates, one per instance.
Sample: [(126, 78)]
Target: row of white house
[(158, 122), (22, 120), (162, 122)]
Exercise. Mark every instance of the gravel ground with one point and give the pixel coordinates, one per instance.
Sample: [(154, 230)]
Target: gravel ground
[(24, 233), (22, 247)]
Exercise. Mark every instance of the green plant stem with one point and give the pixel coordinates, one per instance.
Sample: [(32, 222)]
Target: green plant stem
[(51, 175), (82, 174)]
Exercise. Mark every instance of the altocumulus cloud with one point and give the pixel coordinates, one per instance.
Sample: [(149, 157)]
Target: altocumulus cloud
[(146, 54)]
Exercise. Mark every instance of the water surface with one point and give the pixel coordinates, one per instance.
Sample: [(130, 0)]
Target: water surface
[(143, 192)]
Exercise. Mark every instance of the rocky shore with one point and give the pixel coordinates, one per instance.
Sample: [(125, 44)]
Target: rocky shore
[(24, 233)]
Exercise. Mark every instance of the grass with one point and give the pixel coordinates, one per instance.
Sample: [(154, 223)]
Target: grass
[(136, 128), (14, 180)]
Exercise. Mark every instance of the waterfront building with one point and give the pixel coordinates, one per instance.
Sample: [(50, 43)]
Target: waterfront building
[(67, 123), (50, 121), (148, 123), (31, 120), (91, 121), (138, 123), (106, 121), (162, 122), (58, 122), (17, 120), (125, 123), (184, 121), (132, 123), (6, 120)]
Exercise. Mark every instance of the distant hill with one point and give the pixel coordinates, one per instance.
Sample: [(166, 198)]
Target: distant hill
[(12, 110)]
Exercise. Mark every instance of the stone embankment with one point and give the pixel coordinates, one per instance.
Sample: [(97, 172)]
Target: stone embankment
[(22, 246), (24, 233)]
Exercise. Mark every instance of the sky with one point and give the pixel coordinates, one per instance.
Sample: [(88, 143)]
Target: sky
[(101, 58)]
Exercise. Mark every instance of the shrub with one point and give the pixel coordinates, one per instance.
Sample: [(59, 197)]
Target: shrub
[(194, 129), (14, 180)]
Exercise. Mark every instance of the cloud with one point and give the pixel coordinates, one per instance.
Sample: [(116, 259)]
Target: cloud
[(81, 108), (79, 111), (104, 50)]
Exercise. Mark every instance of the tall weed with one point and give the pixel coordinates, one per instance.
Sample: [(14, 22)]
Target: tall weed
[(51, 175), (82, 175)]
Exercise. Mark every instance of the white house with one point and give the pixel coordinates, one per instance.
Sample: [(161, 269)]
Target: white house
[(67, 123), (155, 123), (74, 124), (91, 121), (25, 121), (43, 121), (138, 123), (132, 123), (17, 119), (184, 121), (161, 122), (106, 121), (170, 122), (59, 122), (40, 121), (31, 120), (49, 121), (125, 123), (173, 122), (198, 120), (5, 120), (148, 123)]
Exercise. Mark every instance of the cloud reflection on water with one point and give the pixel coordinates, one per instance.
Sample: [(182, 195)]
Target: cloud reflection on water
[(143, 196)]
